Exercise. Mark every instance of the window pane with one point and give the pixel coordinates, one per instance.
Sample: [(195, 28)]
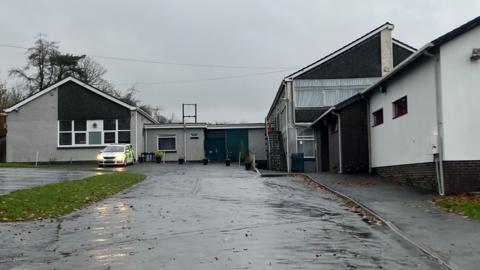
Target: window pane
[(95, 137), (306, 147), (65, 138), (109, 137), (166, 144), (123, 124), (109, 124), (124, 137), (65, 125), (301, 131), (80, 125), (80, 138)]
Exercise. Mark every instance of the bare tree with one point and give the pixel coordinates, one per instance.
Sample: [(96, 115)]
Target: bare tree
[(35, 73), (9, 97)]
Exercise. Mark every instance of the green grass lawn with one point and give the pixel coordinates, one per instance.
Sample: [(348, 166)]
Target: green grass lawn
[(467, 205), (55, 200)]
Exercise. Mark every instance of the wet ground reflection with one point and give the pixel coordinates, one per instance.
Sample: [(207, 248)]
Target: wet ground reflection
[(209, 217)]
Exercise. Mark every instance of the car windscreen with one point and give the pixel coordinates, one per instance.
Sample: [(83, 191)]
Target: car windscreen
[(113, 148)]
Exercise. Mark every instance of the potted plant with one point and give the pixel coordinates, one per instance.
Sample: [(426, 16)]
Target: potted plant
[(227, 162), (158, 156)]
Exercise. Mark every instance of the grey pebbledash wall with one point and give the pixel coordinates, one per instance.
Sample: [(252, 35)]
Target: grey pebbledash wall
[(33, 128)]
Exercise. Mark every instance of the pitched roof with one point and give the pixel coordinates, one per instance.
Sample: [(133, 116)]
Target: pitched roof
[(347, 47), (86, 86), (69, 79), (338, 52), (425, 49)]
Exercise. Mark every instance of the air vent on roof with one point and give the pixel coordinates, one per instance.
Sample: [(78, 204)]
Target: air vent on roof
[(475, 54)]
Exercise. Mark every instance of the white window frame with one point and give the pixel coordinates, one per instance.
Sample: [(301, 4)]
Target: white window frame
[(122, 130), (167, 137), (115, 131), (87, 144), (306, 138)]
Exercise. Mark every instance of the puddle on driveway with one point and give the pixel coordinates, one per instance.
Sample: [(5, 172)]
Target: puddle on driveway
[(208, 217)]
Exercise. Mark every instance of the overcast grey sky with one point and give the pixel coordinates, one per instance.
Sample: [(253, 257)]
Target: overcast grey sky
[(261, 33)]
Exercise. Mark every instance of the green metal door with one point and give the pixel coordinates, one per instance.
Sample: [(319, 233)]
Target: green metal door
[(237, 142), (215, 145)]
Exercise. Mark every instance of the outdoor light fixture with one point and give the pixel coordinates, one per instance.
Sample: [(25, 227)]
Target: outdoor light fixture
[(475, 54)]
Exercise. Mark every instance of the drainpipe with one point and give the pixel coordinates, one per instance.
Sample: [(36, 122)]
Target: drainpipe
[(288, 137), (268, 144), (136, 133), (438, 91), (340, 161), (369, 135)]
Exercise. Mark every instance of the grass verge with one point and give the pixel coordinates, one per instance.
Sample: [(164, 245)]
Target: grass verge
[(55, 200), (19, 165), (467, 205)]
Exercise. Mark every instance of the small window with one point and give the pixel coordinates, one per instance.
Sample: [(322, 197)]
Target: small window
[(400, 107), (65, 138), (80, 138), (80, 125), (110, 124), (65, 125), (378, 117), (124, 124), (124, 137), (109, 137), (167, 144)]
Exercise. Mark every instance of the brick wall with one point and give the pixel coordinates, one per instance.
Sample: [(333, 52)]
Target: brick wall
[(420, 174), (461, 176)]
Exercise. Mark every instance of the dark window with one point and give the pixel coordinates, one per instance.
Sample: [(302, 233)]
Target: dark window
[(123, 124), (109, 124), (80, 138), (65, 138), (378, 117), (65, 125), (124, 137), (167, 144), (109, 137), (80, 125), (400, 107)]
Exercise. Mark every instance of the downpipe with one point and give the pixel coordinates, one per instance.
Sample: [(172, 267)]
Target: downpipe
[(340, 159)]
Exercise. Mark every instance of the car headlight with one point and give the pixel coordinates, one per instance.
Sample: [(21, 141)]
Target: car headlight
[(99, 157), (120, 157)]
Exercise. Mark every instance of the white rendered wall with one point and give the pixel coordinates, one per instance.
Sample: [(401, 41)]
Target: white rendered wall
[(460, 97), (408, 138)]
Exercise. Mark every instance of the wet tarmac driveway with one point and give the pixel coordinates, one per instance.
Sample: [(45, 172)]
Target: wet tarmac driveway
[(208, 217)]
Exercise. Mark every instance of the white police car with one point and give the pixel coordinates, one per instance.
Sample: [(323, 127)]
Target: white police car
[(116, 154)]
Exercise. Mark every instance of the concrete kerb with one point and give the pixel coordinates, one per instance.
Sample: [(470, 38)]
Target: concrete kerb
[(432, 254)]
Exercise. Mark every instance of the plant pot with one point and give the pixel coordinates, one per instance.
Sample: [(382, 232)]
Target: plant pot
[(227, 162), (248, 166), (158, 159), (205, 161), (181, 161)]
